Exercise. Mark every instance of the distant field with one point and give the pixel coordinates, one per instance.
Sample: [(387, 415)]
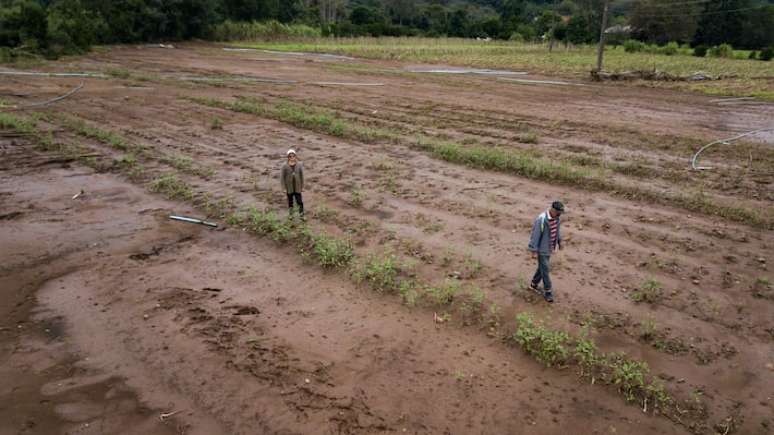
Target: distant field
[(751, 77)]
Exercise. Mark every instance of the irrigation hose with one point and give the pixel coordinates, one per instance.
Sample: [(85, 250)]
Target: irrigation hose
[(724, 142)]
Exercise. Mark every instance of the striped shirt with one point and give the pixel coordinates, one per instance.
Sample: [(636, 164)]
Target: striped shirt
[(553, 226)]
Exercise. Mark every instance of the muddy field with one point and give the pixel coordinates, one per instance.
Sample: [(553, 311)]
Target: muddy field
[(116, 320)]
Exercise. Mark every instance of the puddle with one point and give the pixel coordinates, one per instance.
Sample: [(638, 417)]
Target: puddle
[(292, 53), (344, 84), (541, 82), (459, 70), (237, 79)]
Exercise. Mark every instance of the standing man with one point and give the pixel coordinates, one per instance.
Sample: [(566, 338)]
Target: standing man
[(292, 178), (545, 239)]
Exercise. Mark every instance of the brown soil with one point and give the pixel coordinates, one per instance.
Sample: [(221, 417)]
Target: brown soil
[(113, 316)]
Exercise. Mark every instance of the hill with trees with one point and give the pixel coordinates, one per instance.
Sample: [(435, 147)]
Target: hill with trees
[(68, 26)]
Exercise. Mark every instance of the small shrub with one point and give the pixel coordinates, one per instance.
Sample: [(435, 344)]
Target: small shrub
[(325, 213), (216, 124), (670, 49), (633, 46), (126, 161), (268, 223), (547, 346), (700, 51), (332, 252), (530, 138), (648, 329), (722, 50), (516, 37), (753, 55), (171, 187), (380, 272), (650, 291), (443, 294), (356, 200), (119, 73), (628, 375), (408, 292), (767, 54)]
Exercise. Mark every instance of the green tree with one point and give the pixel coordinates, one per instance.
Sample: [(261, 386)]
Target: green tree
[(660, 21), (578, 30), (23, 22), (72, 28), (723, 22)]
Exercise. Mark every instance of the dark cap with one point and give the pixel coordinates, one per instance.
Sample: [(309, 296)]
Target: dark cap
[(558, 206)]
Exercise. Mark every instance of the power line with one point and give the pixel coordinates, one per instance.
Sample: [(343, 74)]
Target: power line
[(703, 13), (667, 5)]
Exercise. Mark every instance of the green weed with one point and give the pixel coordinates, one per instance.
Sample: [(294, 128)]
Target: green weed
[(356, 198), (332, 252), (408, 292), (547, 346), (650, 291), (379, 271), (443, 294), (173, 188), (268, 223)]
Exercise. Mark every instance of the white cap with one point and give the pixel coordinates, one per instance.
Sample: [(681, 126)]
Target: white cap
[(291, 151)]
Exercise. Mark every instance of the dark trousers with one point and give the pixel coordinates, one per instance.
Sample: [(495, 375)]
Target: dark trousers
[(299, 201), (543, 272)]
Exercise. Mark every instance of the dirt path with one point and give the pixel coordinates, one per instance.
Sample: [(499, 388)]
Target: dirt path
[(236, 326)]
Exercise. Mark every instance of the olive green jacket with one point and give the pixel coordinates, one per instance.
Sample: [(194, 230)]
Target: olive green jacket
[(293, 173)]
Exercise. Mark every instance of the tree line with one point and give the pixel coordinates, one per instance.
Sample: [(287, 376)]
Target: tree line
[(68, 26)]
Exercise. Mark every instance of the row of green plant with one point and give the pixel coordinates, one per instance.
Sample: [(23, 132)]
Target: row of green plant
[(556, 348), (320, 120), (719, 51), (509, 160)]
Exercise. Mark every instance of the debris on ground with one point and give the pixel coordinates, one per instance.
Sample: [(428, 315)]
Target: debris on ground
[(193, 221), (654, 75)]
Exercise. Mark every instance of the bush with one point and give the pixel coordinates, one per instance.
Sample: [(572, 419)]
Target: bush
[(516, 37), (767, 54), (753, 55), (670, 49), (269, 30), (633, 46), (72, 29), (722, 50), (700, 51)]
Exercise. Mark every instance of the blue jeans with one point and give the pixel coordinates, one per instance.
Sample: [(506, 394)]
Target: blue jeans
[(543, 272)]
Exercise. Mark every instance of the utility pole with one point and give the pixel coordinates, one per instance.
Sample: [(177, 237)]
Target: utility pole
[(601, 48)]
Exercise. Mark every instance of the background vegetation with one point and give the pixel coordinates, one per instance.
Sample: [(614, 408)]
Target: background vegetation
[(55, 27)]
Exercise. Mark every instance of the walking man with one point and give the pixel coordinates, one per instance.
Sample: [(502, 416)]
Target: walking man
[(292, 178), (545, 239)]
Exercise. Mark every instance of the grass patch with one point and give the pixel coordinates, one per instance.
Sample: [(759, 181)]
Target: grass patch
[(172, 187), (299, 115), (18, 124), (331, 252), (512, 161), (747, 77), (380, 272), (650, 291), (186, 164), (81, 128), (356, 198)]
